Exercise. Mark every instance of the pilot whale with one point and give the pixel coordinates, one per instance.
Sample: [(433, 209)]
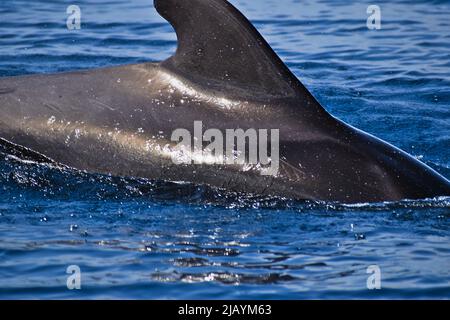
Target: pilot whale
[(120, 120)]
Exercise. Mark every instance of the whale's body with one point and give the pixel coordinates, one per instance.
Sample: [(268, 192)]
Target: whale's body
[(120, 120)]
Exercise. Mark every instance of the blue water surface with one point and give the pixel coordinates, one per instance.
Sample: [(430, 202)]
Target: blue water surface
[(135, 238)]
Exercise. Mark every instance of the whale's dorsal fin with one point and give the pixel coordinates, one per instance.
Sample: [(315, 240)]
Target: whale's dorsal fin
[(219, 48)]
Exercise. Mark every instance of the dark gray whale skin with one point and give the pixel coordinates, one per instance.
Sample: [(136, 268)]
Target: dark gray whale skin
[(119, 120)]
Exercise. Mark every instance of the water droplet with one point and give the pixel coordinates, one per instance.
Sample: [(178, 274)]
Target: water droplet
[(359, 236), (51, 120)]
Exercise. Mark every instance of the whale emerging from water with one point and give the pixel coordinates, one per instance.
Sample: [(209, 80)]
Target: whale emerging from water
[(120, 120)]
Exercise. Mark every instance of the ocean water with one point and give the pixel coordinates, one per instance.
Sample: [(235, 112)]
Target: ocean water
[(139, 239)]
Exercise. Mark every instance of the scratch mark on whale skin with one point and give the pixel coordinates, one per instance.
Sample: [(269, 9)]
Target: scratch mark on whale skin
[(7, 90), (102, 105), (53, 107)]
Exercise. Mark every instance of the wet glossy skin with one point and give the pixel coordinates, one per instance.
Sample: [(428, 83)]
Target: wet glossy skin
[(120, 120)]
